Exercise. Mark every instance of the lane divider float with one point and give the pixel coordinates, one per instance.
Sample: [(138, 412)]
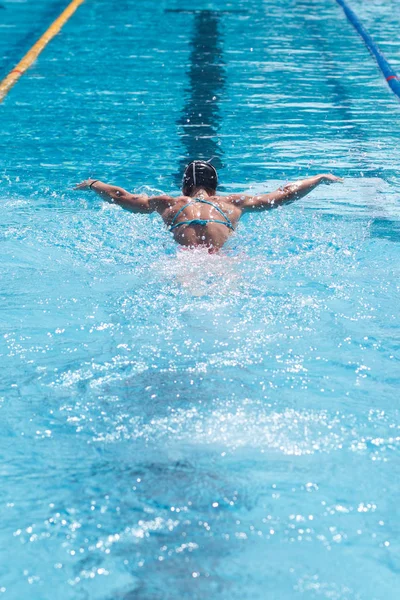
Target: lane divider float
[(30, 57), (390, 75)]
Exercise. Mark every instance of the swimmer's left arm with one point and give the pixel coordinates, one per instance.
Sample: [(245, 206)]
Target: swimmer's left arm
[(137, 203), (287, 194)]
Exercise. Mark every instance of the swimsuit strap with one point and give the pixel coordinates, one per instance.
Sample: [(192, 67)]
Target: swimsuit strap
[(221, 212), (227, 221), (201, 222), (179, 212)]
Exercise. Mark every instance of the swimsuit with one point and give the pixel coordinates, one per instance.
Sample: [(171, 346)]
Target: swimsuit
[(227, 221)]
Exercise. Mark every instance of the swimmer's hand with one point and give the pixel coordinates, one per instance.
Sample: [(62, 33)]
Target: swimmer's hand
[(328, 178), (85, 185)]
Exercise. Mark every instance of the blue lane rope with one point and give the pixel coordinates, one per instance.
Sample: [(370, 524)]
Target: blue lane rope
[(390, 75)]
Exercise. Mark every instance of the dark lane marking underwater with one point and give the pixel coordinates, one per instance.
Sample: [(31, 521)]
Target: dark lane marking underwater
[(195, 11), (200, 121)]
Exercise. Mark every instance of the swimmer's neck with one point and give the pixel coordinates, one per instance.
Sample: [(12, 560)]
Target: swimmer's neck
[(200, 192)]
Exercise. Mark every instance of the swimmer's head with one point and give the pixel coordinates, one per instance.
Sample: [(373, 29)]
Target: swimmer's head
[(199, 174)]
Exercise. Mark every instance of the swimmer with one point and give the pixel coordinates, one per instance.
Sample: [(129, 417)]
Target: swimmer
[(200, 217)]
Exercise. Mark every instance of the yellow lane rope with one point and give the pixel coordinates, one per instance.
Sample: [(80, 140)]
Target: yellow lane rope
[(37, 48)]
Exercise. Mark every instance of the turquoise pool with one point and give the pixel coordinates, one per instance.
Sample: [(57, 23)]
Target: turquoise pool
[(175, 424)]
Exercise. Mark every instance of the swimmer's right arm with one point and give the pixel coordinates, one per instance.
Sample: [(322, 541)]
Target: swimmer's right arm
[(137, 203)]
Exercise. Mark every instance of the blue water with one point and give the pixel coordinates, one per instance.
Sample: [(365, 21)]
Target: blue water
[(175, 424)]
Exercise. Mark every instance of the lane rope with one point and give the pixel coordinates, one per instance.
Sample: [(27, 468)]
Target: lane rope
[(30, 57), (390, 75)]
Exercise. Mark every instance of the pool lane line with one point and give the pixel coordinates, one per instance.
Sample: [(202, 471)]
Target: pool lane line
[(32, 54), (390, 75)]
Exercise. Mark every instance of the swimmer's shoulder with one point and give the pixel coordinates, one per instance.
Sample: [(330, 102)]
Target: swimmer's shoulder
[(234, 199), (163, 201)]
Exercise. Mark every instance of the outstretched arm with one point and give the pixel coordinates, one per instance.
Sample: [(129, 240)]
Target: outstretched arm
[(138, 203), (287, 194)]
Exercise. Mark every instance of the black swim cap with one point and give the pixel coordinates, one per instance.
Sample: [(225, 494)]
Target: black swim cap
[(200, 173)]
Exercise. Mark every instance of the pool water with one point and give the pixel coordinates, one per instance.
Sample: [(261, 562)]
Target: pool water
[(185, 425)]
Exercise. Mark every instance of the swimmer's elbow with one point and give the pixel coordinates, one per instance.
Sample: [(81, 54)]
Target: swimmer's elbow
[(138, 203)]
